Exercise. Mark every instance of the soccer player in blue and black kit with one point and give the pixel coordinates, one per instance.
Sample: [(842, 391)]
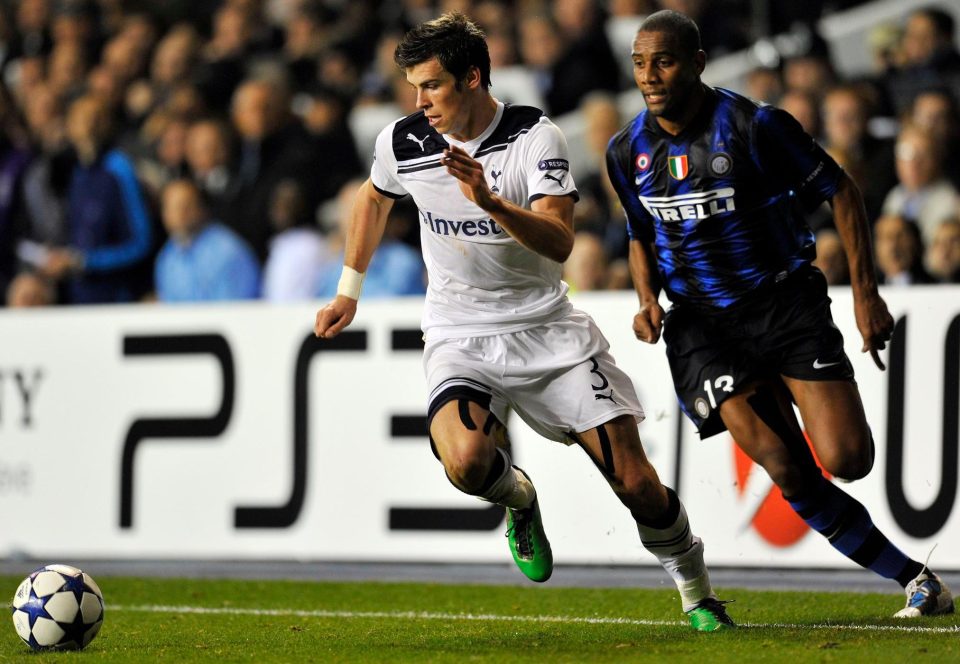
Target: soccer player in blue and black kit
[(715, 187)]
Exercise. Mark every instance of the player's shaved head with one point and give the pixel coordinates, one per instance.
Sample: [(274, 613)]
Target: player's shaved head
[(679, 26), (454, 40)]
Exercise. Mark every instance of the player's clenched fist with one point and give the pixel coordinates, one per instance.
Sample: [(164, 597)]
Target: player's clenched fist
[(647, 323), (334, 317)]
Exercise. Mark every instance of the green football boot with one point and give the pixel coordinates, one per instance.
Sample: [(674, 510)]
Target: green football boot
[(710, 616), (529, 544)]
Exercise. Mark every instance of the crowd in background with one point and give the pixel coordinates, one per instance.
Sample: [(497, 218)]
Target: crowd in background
[(210, 149)]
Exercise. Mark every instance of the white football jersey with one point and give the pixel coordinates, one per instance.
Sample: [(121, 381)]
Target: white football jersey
[(481, 280)]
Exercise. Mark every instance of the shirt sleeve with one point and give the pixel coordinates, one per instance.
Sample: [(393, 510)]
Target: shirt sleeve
[(383, 173), (639, 223), (548, 163), (133, 209), (793, 159)]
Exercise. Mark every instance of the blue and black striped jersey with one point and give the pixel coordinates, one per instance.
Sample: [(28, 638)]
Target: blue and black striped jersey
[(724, 200)]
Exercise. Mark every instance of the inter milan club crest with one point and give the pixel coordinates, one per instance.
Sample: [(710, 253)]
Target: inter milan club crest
[(678, 167), (720, 163), (643, 161)]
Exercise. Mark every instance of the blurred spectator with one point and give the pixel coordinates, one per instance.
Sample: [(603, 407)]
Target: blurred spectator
[(208, 154), (66, 69), (621, 27), (25, 75), (618, 275), (77, 22), (14, 157), (203, 260), (273, 146), (599, 208), (334, 152), (811, 73), (161, 67), (885, 41), (540, 47), (221, 66), (943, 253), (31, 22), (385, 95), (935, 110), (899, 252), (304, 42), (111, 236), (586, 60), (395, 269), (803, 107), (173, 63), (46, 179), (601, 115), (102, 83), (29, 289), (338, 72), (923, 195), (264, 36), (298, 252), (868, 160), (763, 84), (586, 267), (175, 56), (124, 58), (723, 24), (831, 258), (928, 57), (166, 160), (928, 39), (515, 83), (376, 82), (137, 27)]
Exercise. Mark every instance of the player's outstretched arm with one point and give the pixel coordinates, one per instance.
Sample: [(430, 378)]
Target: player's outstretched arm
[(873, 319), (648, 321), (546, 228), (367, 221)]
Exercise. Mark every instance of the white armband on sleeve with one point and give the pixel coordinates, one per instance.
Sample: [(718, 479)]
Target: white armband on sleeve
[(350, 283)]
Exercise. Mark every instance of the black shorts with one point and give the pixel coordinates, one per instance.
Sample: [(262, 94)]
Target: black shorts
[(785, 330)]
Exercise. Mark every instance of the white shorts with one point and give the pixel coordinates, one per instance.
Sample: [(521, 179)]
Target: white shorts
[(558, 377)]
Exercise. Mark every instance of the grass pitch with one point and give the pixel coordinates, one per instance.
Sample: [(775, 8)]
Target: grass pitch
[(182, 621)]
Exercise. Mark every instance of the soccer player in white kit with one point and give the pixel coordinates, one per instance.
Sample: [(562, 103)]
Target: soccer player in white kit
[(495, 195)]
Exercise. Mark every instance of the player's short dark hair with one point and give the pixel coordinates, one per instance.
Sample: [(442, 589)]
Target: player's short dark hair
[(454, 40), (681, 26)]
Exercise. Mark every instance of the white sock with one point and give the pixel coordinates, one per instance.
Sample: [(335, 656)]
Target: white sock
[(681, 554), (512, 489)]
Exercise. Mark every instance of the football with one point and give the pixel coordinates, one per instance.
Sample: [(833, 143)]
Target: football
[(57, 607)]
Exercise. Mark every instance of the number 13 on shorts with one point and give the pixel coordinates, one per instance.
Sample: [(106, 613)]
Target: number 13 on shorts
[(724, 383)]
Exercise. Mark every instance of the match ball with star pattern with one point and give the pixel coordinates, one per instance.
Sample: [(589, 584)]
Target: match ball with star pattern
[(58, 607)]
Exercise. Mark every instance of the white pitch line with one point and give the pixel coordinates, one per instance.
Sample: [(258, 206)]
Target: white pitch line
[(488, 617)]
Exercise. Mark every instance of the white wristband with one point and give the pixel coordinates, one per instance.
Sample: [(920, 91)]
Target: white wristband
[(350, 284)]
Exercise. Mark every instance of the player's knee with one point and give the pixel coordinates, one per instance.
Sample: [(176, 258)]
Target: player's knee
[(848, 466), (467, 472)]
